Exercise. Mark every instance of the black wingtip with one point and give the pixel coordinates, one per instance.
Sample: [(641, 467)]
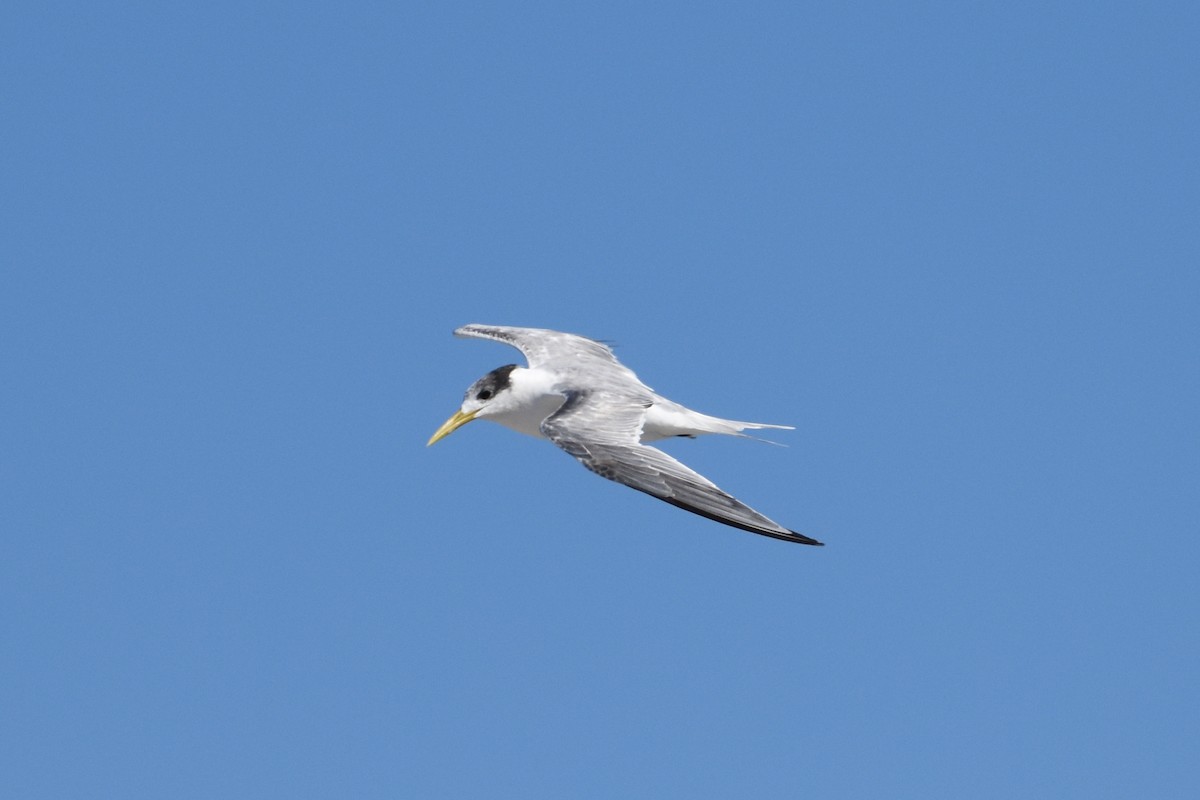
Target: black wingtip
[(789, 536), (798, 538)]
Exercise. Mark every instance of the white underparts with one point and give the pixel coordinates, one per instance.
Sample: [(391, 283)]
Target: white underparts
[(533, 395), (666, 418), (530, 398)]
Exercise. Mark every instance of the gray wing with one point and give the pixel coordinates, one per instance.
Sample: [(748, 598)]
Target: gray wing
[(602, 430), (543, 347)]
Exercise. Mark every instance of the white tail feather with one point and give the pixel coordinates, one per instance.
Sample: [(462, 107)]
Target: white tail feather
[(665, 419)]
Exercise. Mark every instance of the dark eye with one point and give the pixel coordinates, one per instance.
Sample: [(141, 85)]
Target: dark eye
[(484, 394)]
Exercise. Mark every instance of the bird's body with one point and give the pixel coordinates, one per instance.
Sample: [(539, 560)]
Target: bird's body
[(576, 394)]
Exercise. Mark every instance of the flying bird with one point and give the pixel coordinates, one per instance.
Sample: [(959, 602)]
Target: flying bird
[(576, 394)]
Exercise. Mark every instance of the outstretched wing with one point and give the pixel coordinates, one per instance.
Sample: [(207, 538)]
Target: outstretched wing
[(602, 431), (543, 347)]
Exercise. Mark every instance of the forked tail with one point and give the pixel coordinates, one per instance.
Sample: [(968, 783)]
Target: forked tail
[(665, 419)]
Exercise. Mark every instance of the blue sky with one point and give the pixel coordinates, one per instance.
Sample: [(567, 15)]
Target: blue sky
[(955, 245)]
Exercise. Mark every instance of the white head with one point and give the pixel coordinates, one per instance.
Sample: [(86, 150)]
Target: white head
[(489, 396)]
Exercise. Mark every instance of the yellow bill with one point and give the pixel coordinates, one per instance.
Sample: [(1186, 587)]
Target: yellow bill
[(451, 425)]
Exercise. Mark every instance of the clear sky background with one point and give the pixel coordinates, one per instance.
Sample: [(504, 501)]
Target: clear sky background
[(955, 244)]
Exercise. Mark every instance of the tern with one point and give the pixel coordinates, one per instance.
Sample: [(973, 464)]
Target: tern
[(576, 394)]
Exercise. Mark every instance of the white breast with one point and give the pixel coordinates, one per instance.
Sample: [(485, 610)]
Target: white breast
[(532, 399)]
